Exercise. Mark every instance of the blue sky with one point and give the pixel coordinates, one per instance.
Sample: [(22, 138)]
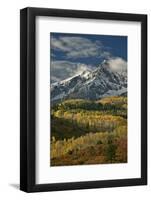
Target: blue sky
[(115, 46), (72, 51)]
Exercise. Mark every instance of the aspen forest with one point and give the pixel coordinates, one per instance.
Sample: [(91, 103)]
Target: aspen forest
[(89, 132)]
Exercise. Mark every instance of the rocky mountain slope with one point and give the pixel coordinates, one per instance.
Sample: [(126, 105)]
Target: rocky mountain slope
[(92, 85)]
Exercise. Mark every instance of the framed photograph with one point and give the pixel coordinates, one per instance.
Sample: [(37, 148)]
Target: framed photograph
[(83, 99)]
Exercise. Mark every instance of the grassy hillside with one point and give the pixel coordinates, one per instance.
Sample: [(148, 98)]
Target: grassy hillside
[(89, 132)]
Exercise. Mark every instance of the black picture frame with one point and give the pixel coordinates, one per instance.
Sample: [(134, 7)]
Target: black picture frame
[(28, 99)]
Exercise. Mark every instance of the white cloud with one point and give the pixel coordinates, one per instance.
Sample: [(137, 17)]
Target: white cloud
[(78, 47), (62, 69), (118, 64)]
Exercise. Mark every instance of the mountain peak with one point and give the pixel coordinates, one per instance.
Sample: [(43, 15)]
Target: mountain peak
[(104, 64), (105, 61), (90, 84)]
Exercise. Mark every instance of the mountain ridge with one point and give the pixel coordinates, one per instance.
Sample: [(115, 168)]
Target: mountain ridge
[(101, 82)]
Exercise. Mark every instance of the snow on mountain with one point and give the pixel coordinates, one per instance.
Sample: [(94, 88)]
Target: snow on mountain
[(93, 85)]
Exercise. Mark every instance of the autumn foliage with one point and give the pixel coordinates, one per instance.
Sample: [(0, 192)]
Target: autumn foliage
[(89, 132)]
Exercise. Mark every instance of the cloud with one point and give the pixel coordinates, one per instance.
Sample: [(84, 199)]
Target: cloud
[(78, 47), (118, 64), (62, 69)]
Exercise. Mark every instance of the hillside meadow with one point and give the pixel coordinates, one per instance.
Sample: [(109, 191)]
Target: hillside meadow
[(89, 132)]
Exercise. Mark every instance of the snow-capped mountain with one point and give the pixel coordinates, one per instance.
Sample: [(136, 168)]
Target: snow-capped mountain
[(91, 85)]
